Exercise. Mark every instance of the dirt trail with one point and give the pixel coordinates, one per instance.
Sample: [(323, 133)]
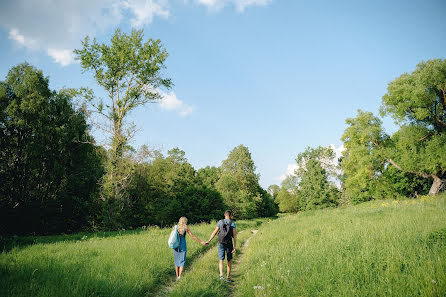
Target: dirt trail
[(235, 272), (165, 290)]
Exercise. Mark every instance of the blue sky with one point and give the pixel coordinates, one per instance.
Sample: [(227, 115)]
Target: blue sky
[(276, 76)]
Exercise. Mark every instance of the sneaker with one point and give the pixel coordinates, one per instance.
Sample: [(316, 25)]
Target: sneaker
[(228, 280), (222, 278)]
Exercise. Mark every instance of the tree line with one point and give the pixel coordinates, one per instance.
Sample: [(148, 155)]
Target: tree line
[(54, 175), (376, 165), (55, 178)]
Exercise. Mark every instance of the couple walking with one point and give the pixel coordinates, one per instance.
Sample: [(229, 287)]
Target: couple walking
[(227, 239)]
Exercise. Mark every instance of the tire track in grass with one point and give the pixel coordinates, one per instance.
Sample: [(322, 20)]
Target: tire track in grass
[(202, 278), (171, 281), (235, 272)]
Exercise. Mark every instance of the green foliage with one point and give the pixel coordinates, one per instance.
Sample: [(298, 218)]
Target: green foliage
[(288, 196), (239, 186), (418, 102), (314, 167), (49, 167), (362, 160), (130, 71), (166, 188)]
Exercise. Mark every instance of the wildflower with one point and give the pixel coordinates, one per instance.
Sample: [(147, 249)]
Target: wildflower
[(433, 281), (258, 288), (394, 202)]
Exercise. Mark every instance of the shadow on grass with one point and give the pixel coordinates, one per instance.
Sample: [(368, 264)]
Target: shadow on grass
[(19, 242), (57, 279)]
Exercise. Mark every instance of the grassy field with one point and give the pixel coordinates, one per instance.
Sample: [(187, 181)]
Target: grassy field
[(383, 248), (380, 248), (126, 264)]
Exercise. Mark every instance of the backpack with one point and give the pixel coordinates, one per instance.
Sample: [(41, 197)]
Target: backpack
[(174, 238), (225, 234)]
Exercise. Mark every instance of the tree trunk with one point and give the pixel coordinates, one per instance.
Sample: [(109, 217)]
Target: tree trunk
[(436, 185)]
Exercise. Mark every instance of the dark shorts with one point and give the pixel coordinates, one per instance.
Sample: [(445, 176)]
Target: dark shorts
[(225, 249)]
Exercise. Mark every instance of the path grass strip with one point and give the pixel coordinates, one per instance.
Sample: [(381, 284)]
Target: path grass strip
[(381, 248), (203, 278)]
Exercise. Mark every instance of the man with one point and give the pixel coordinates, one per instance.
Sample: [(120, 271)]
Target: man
[(226, 242)]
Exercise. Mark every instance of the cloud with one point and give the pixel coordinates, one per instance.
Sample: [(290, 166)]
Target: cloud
[(145, 10), (63, 57), (240, 5), (57, 27), (171, 102)]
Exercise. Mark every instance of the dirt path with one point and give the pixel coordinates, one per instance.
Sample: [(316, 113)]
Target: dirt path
[(235, 272)]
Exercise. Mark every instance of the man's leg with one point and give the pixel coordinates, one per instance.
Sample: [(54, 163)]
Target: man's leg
[(229, 268), (221, 267)]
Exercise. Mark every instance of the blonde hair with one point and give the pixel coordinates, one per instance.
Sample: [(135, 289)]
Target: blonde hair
[(182, 225)]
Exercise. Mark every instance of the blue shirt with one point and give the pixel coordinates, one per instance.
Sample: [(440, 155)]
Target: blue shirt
[(220, 223)]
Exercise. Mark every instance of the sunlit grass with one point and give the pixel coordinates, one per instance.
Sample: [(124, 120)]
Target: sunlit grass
[(204, 278), (381, 248)]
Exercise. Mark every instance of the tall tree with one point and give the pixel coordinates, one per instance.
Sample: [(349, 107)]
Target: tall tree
[(288, 195), (314, 167), (130, 72), (362, 161), (239, 186), (417, 101), (48, 166)]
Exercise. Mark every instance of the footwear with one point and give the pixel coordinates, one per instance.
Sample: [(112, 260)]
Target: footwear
[(222, 278), (228, 280)]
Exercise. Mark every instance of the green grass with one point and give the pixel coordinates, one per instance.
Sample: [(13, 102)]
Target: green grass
[(383, 248), (124, 264), (204, 278)]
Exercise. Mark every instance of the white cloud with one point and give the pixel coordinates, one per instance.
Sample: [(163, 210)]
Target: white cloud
[(240, 5), (15, 35), (171, 102), (290, 170), (57, 27), (63, 57), (145, 10)]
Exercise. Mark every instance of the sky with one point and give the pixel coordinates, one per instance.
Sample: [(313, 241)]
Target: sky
[(274, 75)]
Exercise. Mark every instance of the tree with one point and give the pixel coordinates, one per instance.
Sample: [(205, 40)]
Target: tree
[(417, 101), (362, 162), (130, 72), (314, 167), (288, 195), (48, 165), (367, 165), (239, 186)]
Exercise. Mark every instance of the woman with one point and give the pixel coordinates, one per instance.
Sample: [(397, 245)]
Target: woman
[(180, 252)]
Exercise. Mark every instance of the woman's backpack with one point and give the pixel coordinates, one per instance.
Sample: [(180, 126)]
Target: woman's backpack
[(174, 238)]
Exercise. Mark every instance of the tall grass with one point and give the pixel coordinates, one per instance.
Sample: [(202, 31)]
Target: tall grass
[(382, 248), (204, 279), (133, 264)]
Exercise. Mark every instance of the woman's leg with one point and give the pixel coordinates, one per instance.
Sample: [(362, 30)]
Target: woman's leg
[(177, 270), (181, 271)]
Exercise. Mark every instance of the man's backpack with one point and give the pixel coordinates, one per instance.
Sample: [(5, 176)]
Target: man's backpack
[(225, 234), (174, 238)]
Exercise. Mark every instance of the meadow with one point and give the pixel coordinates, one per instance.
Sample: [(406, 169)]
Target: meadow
[(379, 248)]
